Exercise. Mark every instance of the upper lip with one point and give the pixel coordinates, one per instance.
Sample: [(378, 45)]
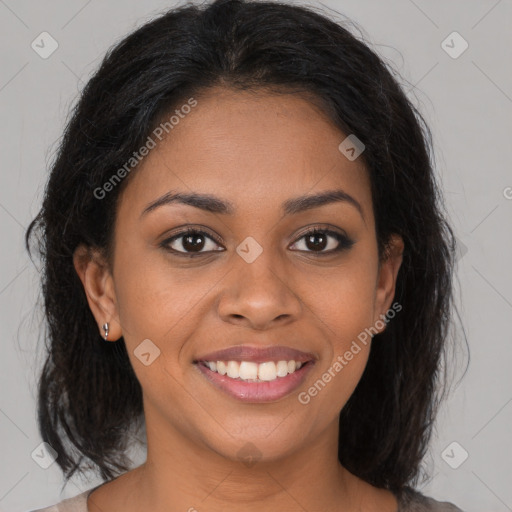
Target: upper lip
[(257, 354)]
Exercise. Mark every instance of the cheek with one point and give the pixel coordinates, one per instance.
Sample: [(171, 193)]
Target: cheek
[(343, 302), (161, 302), (343, 297), (335, 382)]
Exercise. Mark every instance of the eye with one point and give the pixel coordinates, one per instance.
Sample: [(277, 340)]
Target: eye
[(190, 242), (318, 239), (194, 242)]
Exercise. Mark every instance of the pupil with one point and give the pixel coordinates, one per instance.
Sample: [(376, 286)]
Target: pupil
[(320, 245), (190, 242)]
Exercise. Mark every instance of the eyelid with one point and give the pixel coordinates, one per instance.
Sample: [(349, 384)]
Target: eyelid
[(344, 241), (193, 229), (196, 230), (324, 228)]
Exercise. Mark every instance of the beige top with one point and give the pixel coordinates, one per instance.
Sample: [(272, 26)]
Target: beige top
[(409, 500)]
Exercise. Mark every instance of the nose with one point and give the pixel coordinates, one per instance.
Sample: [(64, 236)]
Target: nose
[(259, 295)]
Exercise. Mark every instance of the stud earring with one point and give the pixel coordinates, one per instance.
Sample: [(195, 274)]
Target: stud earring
[(106, 329)]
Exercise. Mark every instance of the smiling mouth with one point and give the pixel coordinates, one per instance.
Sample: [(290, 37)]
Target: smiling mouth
[(252, 382), (249, 371)]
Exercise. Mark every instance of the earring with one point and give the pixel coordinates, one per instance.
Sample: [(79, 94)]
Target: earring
[(105, 328)]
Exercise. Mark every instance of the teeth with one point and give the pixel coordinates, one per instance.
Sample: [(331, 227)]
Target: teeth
[(233, 370), (254, 372), (282, 369), (221, 367), (267, 371), (248, 370)]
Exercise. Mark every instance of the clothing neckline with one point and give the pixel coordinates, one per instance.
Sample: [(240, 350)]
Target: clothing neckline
[(402, 496)]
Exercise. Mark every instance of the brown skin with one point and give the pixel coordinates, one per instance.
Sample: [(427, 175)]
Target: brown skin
[(255, 150)]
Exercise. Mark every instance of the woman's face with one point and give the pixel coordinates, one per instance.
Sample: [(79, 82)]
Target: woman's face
[(253, 280)]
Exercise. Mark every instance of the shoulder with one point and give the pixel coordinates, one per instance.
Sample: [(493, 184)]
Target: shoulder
[(410, 500), (75, 504)]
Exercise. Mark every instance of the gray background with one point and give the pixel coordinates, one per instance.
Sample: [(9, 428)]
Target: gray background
[(468, 104)]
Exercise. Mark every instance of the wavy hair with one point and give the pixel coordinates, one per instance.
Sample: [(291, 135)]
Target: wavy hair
[(89, 398)]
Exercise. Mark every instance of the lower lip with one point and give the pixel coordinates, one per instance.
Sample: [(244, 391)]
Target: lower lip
[(267, 391)]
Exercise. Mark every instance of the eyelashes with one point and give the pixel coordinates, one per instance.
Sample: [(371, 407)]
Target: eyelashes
[(193, 238), (342, 240), (189, 235)]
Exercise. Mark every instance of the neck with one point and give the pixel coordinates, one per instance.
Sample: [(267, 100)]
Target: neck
[(192, 477)]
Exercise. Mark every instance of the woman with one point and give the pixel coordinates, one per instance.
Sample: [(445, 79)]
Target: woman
[(245, 256)]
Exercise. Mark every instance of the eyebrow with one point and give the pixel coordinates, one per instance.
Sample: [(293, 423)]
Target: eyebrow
[(213, 204)]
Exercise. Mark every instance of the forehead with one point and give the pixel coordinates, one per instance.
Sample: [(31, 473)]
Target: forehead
[(254, 149)]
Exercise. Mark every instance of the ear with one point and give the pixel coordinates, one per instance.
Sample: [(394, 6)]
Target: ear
[(386, 282), (98, 284)]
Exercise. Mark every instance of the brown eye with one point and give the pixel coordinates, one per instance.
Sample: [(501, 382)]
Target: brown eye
[(318, 240), (195, 242), (190, 242)]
